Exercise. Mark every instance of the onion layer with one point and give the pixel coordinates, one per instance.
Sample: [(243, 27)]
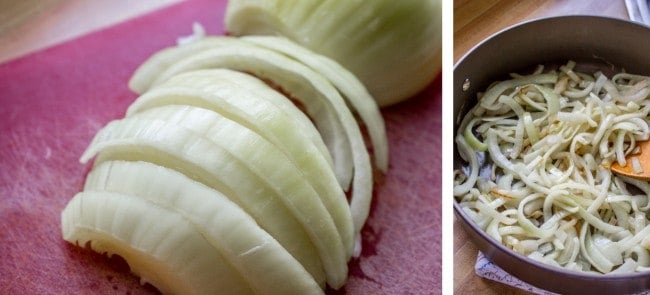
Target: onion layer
[(394, 47)]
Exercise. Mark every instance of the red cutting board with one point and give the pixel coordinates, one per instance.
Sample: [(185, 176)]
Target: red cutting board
[(52, 103)]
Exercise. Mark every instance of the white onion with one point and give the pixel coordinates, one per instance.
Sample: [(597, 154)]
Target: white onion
[(393, 47)]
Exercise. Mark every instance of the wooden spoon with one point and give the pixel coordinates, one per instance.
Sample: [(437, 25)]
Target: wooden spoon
[(643, 157)]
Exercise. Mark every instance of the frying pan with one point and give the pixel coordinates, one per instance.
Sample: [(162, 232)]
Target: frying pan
[(607, 44)]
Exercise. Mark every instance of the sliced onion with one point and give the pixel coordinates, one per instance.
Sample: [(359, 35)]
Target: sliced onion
[(240, 97), (147, 72), (238, 166), (207, 162), (160, 245), (267, 161), (350, 87), (246, 249), (320, 98)]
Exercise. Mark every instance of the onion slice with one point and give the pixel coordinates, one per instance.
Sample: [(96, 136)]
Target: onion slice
[(146, 73), (279, 168), (160, 67), (250, 251), (235, 101), (226, 166), (321, 100), (350, 87), (160, 246), (240, 97)]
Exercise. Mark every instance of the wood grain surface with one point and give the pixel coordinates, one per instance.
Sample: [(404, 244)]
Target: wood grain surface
[(474, 21), (30, 25)]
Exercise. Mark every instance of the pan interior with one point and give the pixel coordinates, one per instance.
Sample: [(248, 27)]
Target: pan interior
[(595, 44)]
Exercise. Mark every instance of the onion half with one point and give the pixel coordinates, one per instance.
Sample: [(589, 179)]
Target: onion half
[(393, 47)]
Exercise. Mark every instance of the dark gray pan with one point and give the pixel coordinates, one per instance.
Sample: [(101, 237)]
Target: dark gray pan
[(593, 42)]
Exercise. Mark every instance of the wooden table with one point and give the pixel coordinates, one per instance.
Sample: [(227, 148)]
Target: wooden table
[(473, 22), (30, 25)]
